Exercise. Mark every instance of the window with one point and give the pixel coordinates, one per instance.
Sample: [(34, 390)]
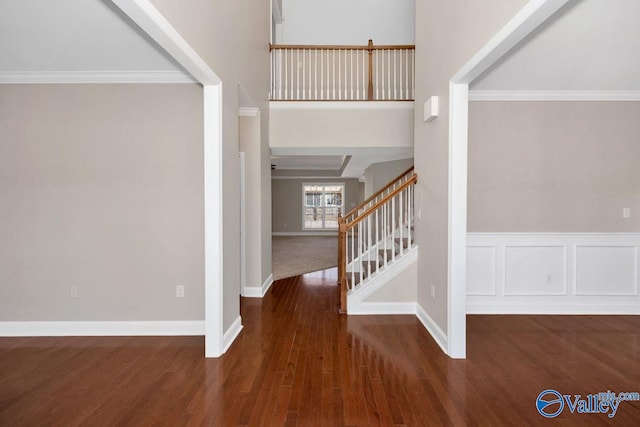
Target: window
[(321, 205)]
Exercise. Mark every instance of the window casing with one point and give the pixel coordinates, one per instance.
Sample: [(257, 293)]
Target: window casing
[(321, 205)]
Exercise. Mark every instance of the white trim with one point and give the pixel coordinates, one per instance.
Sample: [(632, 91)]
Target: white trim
[(213, 225), (148, 18), (101, 328), (243, 223), (341, 105), (565, 295), (311, 177), (248, 112), (305, 233), (559, 308), (538, 236), (552, 95), (231, 334), (258, 291), (100, 77), (377, 280), (457, 220), (534, 13), (323, 184), (151, 21), (382, 308), (432, 327)]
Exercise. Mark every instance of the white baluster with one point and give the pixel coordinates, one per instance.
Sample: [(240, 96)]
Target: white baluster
[(334, 73), (382, 77), (406, 70), (413, 74), (353, 240), (409, 210), (304, 75), (393, 227), (400, 222), (360, 250), (357, 75), (395, 94), (298, 74), (286, 93), (351, 71), (375, 70), (315, 67), (322, 74)]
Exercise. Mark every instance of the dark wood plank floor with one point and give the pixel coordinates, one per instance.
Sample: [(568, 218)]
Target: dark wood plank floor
[(298, 362)]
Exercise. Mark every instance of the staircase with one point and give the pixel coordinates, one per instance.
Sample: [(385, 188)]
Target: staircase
[(375, 235)]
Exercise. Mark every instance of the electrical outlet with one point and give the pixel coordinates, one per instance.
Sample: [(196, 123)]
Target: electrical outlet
[(626, 213), (73, 292), (433, 291), (548, 279), (180, 291)]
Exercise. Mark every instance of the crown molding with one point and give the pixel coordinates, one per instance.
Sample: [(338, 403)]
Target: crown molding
[(48, 77), (552, 95), (341, 105), (248, 112)]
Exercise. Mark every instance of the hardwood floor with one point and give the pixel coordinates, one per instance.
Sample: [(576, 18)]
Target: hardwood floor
[(298, 362)]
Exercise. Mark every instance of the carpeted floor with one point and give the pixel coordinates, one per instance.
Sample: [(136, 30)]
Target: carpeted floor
[(294, 255)]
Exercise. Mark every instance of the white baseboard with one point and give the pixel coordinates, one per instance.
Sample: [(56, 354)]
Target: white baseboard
[(366, 308), (99, 328), (231, 334), (525, 307), (306, 233), (258, 291), (432, 327)]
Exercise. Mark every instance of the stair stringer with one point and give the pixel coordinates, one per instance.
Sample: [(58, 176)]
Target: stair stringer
[(400, 273)]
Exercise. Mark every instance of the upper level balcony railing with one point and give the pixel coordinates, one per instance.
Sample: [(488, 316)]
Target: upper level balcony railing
[(342, 73)]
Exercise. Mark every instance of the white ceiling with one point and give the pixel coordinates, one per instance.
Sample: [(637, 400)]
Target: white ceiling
[(589, 45), (75, 36), (360, 158), (333, 163)]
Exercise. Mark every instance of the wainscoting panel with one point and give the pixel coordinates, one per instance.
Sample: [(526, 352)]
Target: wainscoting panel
[(535, 270), (553, 273), (607, 270), (481, 270)]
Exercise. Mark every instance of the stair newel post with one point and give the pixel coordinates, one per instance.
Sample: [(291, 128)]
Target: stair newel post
[(342, 263), (370, 87)]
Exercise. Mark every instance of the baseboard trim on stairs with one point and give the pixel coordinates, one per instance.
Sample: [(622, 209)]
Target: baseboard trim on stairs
[(258, 291), (231, 334), (432, 327), (367, 308), (306, 233), (102, 328)]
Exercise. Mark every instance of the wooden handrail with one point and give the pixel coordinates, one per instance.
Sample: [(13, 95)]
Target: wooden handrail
[(343, 47), (377, 193), (372, 209), (402, 92)]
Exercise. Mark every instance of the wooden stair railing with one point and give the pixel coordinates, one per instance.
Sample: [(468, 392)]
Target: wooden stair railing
[(375, 232), (342, 72), (371, 200)]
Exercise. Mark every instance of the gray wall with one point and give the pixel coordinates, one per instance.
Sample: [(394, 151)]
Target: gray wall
[(554, 166), (231, 38), (257, 202), (452, 32), (378, 175), (287, 201), (101, 188)]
